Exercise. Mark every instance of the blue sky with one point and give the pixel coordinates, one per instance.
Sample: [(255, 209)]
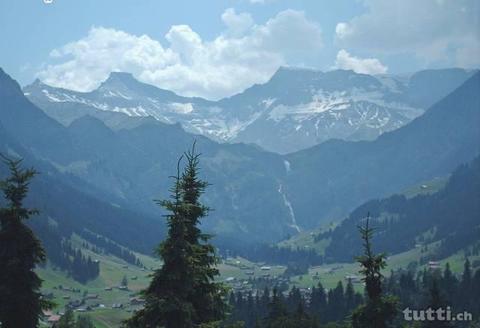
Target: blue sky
[(216, 48)]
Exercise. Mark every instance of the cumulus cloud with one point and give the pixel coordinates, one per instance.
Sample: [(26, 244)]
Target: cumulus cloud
[(433, 30), (237, 24), (243, 54), (359, 65)]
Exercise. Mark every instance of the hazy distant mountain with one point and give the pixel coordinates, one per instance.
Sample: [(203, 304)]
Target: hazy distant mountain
[(339, 175), (257, 195), (70, 202), (296, 109), (131, 166)]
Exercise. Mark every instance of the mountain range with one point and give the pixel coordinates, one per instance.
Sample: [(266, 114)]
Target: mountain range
[(295, 109), (103, 159)]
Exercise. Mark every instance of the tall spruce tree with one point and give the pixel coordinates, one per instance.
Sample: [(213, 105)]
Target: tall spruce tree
[(465, 300), (182, 293), (207, 295), (435, 301), (379, 309), (277, 311), (318, 303), (21, 303), (67, 320)]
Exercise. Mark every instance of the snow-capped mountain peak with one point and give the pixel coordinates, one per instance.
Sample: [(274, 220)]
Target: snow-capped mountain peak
[(295, 109)]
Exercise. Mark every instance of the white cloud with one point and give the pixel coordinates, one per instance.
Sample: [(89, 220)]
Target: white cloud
[(237, 24), (343, 30), (433, 30), (359, 65), (243, 54)]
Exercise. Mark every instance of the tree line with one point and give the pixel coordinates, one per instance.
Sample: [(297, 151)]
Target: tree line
[(110, 247), (276, 255)]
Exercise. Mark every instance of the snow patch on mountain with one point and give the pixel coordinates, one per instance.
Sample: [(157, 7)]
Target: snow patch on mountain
[(181, 108), (296, 109)]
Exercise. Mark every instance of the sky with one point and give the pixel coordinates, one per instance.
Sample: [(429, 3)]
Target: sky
[(214, 48)]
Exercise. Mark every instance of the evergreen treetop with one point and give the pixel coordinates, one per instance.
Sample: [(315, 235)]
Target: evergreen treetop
[(378, 309), (182, 293), (21, 303)]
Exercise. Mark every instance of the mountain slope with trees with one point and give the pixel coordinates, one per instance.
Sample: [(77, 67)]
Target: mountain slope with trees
[(449, 216), (258, 196), (337, 176)]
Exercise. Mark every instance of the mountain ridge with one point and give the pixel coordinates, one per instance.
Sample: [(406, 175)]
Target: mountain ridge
[(295, 109), (340, 172), (258, 195)]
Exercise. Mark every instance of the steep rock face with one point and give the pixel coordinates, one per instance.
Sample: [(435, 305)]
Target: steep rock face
[(296, 109)]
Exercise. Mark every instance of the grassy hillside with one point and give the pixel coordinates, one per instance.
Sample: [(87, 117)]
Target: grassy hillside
[(112, 269), (426, 187), (306, 240), (235, 272), (64, 289), (330, 274)]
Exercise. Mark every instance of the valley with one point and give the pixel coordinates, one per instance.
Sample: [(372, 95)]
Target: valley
[(279, 220)]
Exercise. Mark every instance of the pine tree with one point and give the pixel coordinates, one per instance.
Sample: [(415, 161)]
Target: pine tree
[(67, 320), (277, 312), (124, 281), (350, 301), (84, 321), (166, 298), (251, 310), (449, 283), (21, 303), (336, 303), (466, 286), (182, 293), (435, 302), (379, 309), (294, 299), (207, 295), (318, 303)]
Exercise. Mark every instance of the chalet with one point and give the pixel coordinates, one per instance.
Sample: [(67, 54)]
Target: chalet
[(91, 296), (48, 296), (433, 265), (53, 319), (353, 278), (136, 301), (265, 268)]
